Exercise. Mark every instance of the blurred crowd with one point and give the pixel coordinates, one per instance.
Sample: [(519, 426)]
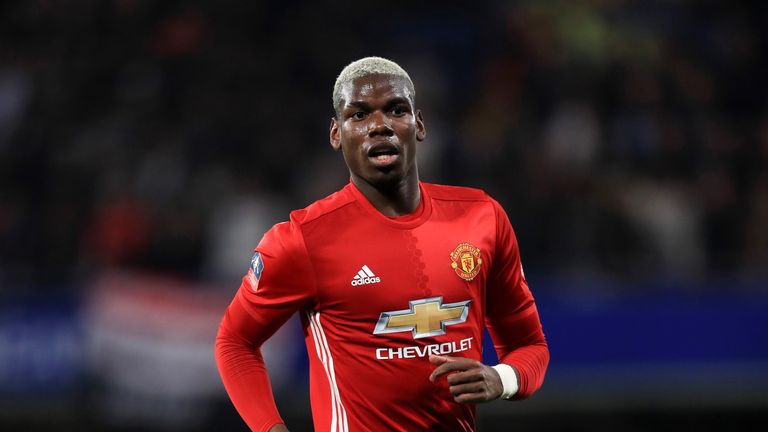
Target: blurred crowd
[(627, 140), (145, 147)]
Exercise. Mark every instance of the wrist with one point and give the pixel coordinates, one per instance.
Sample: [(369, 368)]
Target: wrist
[(509, 380)]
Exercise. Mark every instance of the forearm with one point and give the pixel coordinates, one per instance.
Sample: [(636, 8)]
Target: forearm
[(246, 380), (520, 343), (530, 363)]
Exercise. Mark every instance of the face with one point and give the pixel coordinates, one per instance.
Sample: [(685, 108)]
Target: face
[(377, 129)]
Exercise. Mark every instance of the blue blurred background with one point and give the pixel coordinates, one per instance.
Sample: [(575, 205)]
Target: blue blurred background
[(145, 147)]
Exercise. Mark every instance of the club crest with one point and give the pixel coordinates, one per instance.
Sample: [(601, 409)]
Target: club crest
[(466, 261)]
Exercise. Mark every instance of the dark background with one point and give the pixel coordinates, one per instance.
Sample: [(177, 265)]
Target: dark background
[(145, 147)]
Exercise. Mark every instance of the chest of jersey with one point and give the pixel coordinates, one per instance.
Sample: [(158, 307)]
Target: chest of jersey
[(420, 285)]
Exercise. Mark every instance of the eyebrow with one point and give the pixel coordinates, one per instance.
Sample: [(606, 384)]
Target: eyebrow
[(358, 104), (398, 100)]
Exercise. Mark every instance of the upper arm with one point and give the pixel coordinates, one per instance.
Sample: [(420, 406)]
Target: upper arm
[(279, 282), (511, 314)]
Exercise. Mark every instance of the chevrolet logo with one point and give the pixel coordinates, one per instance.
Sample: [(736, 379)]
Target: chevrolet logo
[(426, 317)]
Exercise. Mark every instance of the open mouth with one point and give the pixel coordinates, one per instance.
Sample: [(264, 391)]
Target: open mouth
[(383, 154), (384, 158)]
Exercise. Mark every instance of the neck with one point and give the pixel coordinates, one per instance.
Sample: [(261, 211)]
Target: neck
[(392, 199)]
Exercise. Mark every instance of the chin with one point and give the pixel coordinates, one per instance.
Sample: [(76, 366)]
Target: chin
[(385, 179)]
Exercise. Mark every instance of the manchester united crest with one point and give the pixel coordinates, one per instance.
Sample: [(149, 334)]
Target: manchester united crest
[(466, 261)]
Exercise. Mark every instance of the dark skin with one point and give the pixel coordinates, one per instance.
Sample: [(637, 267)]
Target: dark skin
[(469, 381), (377, 129)]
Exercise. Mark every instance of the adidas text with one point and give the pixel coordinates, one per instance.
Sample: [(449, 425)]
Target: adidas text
[(364, 281)]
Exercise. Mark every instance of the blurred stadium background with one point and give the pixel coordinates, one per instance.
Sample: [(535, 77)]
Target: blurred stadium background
[(145, 146)]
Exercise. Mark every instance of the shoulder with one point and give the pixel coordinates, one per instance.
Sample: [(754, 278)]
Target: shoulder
[(290, 232), (471, 198), (322, 208), (456, 193)]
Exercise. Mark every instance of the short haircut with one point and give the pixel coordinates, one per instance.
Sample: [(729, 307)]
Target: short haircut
[(369, 66)]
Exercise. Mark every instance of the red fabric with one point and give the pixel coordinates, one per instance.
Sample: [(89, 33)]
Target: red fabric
[(361, 378), (511, 316)]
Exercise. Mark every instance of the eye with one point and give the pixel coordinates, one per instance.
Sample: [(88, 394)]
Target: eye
[(399, 110), (359, 115)]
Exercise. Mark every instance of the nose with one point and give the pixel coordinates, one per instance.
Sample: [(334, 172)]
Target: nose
[(380, 125)]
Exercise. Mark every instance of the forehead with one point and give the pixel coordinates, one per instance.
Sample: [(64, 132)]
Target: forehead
[(375, 86)]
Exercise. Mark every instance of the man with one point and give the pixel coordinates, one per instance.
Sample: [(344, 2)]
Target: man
[(394, 280)]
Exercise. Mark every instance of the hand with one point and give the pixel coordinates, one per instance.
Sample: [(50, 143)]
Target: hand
[(278, 428), (470, 381)]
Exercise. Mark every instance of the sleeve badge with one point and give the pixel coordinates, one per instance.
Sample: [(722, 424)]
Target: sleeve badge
[(254, 272)]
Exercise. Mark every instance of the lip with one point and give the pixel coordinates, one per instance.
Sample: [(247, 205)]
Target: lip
[(380, 147), (383, 154), (384, 161)]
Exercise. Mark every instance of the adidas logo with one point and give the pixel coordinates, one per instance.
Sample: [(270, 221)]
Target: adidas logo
[(365, 276)]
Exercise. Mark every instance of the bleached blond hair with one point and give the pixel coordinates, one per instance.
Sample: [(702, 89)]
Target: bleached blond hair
[(369, 66)]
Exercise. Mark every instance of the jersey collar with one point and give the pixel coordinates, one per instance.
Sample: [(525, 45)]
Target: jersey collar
[(409, 221)]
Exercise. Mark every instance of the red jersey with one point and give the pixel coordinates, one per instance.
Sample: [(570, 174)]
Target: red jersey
[(377, 295)]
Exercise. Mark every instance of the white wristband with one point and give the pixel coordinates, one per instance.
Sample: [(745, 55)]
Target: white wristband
[(508, 380)]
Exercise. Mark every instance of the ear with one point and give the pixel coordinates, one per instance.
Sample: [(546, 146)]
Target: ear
[(421, 130), (333, 134)]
